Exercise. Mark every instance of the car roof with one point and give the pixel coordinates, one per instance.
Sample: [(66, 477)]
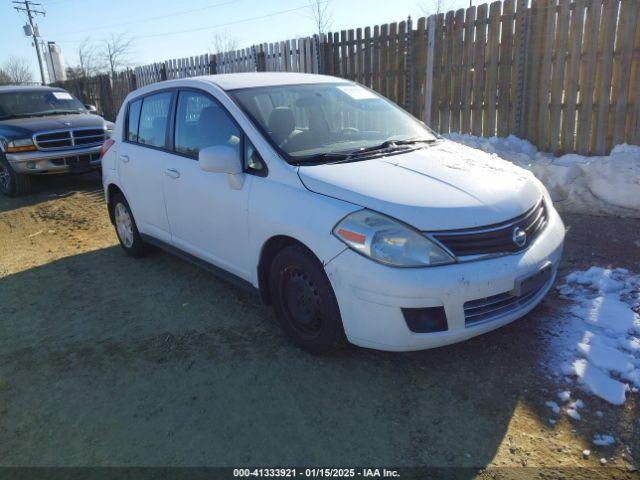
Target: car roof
[(25, 88), (235, 81)]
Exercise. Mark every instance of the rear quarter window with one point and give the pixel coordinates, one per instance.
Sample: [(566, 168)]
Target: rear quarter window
[(133, 120)]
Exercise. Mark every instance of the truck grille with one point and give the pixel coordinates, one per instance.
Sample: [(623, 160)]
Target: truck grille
[(498, 238), (65, 139)]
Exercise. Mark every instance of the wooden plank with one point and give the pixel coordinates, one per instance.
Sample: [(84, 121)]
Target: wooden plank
[(572, 77), (419, 49), (557, 81), (504, 67), (392, 66), (359, 49), (545, 76), (366, 80), (603, 86), (479, 70), (384, 38), (302, 54), (456, 69), (633, 122), (445, 79), (336, 54), (491, 63), (437, 80), (537, 17), (400, 65), (351, 60), (518, 66), (467, 70), (587, 78), (344, 55), (622, 68), (375, 60)]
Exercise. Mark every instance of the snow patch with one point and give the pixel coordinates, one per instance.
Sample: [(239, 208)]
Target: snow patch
[(599, 184), (597, 339), (603, 440)]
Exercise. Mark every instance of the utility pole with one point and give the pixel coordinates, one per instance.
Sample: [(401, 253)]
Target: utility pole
[(26, 7)]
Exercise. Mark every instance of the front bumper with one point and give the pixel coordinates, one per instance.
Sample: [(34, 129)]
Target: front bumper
[(371, 296), (59, 161)]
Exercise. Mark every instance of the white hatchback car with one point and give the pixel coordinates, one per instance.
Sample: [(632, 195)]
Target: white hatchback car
[(344, 212)]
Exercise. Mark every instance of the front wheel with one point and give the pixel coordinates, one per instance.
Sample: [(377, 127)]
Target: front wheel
[(304, 301), (13, 184), (126, 228)]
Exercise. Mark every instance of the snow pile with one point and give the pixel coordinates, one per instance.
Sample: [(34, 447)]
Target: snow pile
[(598, 340), (606, 185)]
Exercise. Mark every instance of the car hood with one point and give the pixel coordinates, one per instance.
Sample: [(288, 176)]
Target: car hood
[(30, 125), (442, 187)]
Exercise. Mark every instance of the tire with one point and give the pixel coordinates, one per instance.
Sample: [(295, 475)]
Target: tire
[(304, 302), (13, 184), (126, 228)]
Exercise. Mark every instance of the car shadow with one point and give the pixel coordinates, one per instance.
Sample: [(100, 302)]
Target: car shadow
[(46, 187), (107, 360)]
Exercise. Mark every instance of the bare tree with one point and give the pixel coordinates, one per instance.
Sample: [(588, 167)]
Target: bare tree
[(18, 70), (222, 42), (321, 15), (434, 7), (4, 78), (88, 59), (116, 52)]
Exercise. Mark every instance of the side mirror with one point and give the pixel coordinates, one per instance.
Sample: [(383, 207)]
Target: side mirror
[(91, 109), (220, 159)]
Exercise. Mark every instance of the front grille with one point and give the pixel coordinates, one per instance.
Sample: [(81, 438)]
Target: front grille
[(78, 138), (497, 238), (491, 308)]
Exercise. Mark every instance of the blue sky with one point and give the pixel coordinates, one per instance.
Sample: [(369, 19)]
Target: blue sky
[(154, 24)]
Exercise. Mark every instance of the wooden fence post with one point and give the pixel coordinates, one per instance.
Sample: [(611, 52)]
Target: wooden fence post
[(428, 87)]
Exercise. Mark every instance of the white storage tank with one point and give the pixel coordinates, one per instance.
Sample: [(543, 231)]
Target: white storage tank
[(55, 63)]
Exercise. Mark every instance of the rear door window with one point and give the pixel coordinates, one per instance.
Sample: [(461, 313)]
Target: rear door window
[(154, 123)]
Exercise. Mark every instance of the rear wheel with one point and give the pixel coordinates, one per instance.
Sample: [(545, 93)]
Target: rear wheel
[(304, 301), (126, 228), (13, 184)]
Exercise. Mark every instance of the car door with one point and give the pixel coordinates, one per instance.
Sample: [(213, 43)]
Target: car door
[(207, 214), (141, 159)]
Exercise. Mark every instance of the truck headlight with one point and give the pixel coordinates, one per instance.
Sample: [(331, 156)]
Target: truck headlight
[(20, 145), (389, 241)]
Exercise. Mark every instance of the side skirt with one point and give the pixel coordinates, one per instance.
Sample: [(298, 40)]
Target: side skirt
[(217, 271)]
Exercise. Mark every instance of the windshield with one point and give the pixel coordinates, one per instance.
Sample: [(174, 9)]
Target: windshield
[(310, 122), (38, 102)]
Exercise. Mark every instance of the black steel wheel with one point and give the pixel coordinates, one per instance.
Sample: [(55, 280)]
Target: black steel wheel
[(304, 301)]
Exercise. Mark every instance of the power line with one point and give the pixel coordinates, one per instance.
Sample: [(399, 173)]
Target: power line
[(235, 22), (25, 7), (148, 19)]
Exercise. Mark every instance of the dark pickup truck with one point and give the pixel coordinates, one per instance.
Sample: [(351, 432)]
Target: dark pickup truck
[(46, 130)]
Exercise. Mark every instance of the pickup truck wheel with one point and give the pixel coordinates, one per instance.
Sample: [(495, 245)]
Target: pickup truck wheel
[(13, 184), (304, 301), (126, 228)]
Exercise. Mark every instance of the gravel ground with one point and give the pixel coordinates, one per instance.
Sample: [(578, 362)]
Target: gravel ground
[(106, 360)]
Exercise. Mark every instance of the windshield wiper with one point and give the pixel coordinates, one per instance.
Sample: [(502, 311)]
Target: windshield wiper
[(339, 157)]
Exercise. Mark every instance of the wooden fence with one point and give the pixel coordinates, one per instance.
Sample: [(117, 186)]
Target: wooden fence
[(564, 74)]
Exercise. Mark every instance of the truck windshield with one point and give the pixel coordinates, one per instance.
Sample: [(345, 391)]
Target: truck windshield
[(33, 103), (327, 122)]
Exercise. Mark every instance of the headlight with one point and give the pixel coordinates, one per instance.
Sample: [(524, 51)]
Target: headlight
[(20, 145), (388, 241)]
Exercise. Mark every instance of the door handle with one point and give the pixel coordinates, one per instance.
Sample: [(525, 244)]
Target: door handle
[(124, 158), (172, 172)]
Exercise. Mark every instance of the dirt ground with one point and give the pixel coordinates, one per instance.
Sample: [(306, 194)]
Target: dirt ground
[(106, 360)]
